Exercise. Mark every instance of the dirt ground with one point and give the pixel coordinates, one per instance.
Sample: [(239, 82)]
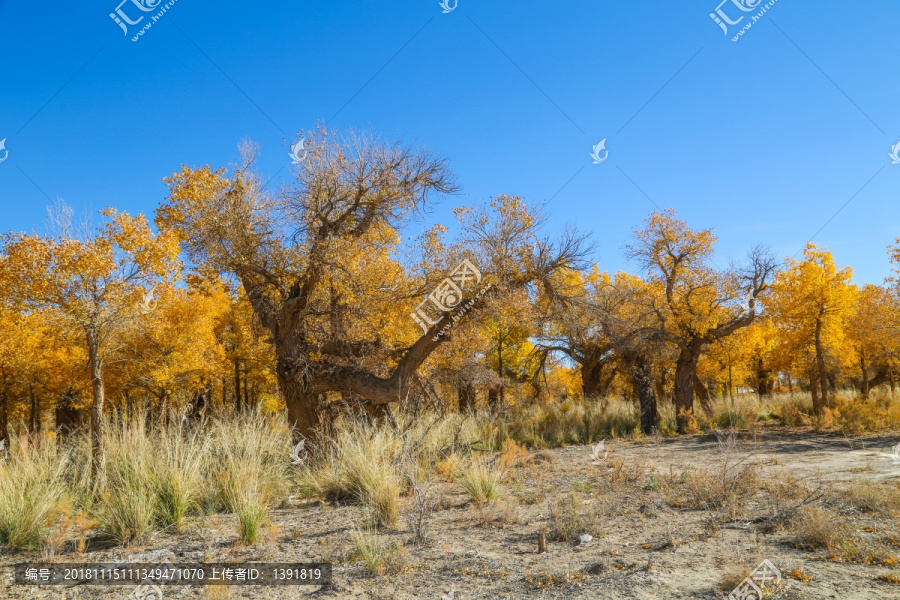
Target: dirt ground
[(648, 548)]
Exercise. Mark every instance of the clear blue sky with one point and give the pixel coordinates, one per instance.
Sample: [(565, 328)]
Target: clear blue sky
[(764, 139)]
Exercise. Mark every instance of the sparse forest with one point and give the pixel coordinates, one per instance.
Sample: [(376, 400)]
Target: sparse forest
[(158, 370)]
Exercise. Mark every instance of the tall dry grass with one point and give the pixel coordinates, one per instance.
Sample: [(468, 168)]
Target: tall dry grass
[(247, 468), (571, 421), (32, 487)]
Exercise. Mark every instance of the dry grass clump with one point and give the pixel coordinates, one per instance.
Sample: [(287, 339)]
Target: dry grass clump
[(876, 498), (573, 421), (126, 496), (378, 558), (374, 464), (360, 462), (178, 478), (31, 489), (817, 528), (571, 517), (247, 468), (856, 415), (726, 489), (482, 480)]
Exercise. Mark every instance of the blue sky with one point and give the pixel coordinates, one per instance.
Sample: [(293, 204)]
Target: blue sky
[(764, 139)]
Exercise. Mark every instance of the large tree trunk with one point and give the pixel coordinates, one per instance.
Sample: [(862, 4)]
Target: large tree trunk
[(642, 376), (495, 400), (703, 395), (763, 379), (685, 370), (302, 406), (466, 394), (661, 384), (68, 418), (596, 378), (97, 388)]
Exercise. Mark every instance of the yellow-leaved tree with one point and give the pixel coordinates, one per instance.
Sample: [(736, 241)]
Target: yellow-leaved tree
[(94, 279), (318, 262), (811, 299), (698, 303)]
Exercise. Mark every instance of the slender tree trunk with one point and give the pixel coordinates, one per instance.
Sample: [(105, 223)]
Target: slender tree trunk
[(247, 403), (685, 369), (163, 417), (864, 372), (36, 424), (98, 390), (502, 389), (818, 409), (822, 376), (237, 386), (790, 385), (4, 415), (703, 395), (730, 387)]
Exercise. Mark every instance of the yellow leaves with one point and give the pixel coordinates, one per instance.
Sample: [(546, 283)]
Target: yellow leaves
[(693, 298), (812, 293)]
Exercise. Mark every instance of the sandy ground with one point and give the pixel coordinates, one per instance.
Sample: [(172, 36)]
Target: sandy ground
[(648, 549)]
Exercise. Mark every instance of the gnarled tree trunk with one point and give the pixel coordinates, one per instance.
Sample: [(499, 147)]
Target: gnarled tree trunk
[(466, 394), (685, 371), (642, 378)]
